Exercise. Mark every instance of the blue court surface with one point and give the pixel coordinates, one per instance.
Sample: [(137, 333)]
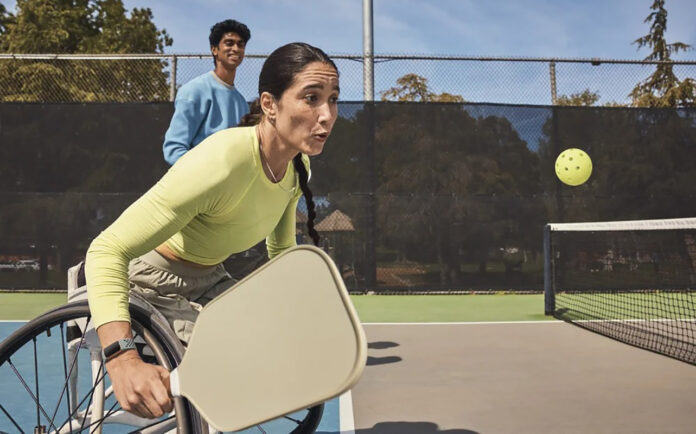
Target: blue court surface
[(50, 386)]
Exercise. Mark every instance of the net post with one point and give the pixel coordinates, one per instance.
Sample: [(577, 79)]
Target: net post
[(549, 296)]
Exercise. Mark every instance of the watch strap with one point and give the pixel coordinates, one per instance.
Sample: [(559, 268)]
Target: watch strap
[(117, 347)]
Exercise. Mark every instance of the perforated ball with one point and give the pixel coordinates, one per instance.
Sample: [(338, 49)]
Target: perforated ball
[(573, 167)]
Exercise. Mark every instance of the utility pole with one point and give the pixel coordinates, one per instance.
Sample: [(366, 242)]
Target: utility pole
[(368, 53)]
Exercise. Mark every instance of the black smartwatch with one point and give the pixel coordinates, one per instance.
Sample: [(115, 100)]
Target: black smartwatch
[(117, 347)]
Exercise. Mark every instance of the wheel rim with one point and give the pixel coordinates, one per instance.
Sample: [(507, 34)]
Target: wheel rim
[(38, 366), (33, 332)]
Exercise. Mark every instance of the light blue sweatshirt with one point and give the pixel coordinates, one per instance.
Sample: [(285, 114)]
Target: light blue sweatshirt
[(202, 106)]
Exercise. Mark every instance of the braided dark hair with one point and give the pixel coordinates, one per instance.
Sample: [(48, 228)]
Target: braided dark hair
[(311, 215), (277, 74)]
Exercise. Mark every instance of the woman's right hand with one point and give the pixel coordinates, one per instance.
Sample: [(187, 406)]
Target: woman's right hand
[(140, 388)]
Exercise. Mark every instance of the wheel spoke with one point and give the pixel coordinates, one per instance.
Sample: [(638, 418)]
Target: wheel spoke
[(297, 421), (65, 385), (73, 363), (26, 387), (36, 382), (63, 345), (111, 411), (82, 402), (11, 420), (89, 395)]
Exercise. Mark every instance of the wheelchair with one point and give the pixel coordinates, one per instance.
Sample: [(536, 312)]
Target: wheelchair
[(54, 369)]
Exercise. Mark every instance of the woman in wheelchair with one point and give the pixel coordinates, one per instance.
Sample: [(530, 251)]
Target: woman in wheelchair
[(236, 188)]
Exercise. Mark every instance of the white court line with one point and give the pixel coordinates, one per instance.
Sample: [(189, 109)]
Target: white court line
[(14, 320), (464, 323), (345, 414)]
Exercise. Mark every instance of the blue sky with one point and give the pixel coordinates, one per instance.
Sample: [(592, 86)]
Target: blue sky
[(495, 28), (539, 28), (527, 28), (502, 28)]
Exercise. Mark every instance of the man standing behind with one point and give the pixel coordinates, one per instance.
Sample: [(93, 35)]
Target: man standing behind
[(209, 102)]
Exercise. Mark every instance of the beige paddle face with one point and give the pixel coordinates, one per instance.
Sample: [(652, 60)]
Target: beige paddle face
[(283, 339)]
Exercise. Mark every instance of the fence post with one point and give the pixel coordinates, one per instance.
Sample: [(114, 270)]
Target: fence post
[(552, 72), (371, 206), (368, 53), (172, 75)]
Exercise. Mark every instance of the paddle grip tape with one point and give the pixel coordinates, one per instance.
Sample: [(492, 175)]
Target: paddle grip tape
[(174, 382)]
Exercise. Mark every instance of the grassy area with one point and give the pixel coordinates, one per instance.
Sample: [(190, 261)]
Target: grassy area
[(371, 308), (24, 306), (449, 308)]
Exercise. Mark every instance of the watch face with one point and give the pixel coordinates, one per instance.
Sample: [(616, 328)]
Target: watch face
[(121, 344), (112, 349)]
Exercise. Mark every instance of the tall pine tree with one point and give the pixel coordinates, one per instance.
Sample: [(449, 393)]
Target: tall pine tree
[(663, 88)]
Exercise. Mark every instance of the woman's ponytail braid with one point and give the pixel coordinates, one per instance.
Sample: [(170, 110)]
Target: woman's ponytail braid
[(304, 178)]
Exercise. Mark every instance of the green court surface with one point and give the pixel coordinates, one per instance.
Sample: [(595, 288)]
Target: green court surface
[(450, 308), (25, 306), (371, 308)]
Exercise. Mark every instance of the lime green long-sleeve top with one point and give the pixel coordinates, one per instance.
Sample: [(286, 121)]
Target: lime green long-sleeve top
[(215, 201)]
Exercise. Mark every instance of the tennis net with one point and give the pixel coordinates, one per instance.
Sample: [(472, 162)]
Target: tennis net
[(633, 281)]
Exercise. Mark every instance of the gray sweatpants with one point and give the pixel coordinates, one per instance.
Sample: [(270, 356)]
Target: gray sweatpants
[(179, 291)]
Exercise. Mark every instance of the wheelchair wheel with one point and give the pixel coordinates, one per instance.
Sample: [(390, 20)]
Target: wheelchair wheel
[(301, 422), (52, 380)]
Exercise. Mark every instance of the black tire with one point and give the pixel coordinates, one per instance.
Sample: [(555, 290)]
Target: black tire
[(188, 421), (167, 353), (311, 420)]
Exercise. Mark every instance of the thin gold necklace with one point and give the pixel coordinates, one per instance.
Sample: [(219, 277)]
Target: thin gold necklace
[(264, 161), (263, 158)]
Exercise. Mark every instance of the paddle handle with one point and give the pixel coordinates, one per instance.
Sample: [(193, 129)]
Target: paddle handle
[(174, 382)]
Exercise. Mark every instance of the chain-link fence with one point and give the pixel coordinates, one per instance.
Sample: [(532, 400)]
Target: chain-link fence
[(409, 196), (155, 77)]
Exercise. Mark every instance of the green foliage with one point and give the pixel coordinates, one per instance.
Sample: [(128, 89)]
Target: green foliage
[(76, 27), (662, 88), (449, 180), (642, 163), (413, 87), (69, 170), (585, 98), (438, 169)]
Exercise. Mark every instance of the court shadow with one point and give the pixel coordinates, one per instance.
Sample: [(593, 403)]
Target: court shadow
[(372, 361), (381, 345), (411, 428)]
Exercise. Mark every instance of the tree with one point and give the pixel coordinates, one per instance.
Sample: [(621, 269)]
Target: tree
[(642, 160), (74, 27), (662, 88), (585, 98), (413, 87), (68, 170), (447, 181)]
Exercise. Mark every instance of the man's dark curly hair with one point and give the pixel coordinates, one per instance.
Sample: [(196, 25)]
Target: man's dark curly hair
[(227, 26)]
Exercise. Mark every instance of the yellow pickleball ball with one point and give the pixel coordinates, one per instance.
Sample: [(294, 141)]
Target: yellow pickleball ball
[(573, 166)]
